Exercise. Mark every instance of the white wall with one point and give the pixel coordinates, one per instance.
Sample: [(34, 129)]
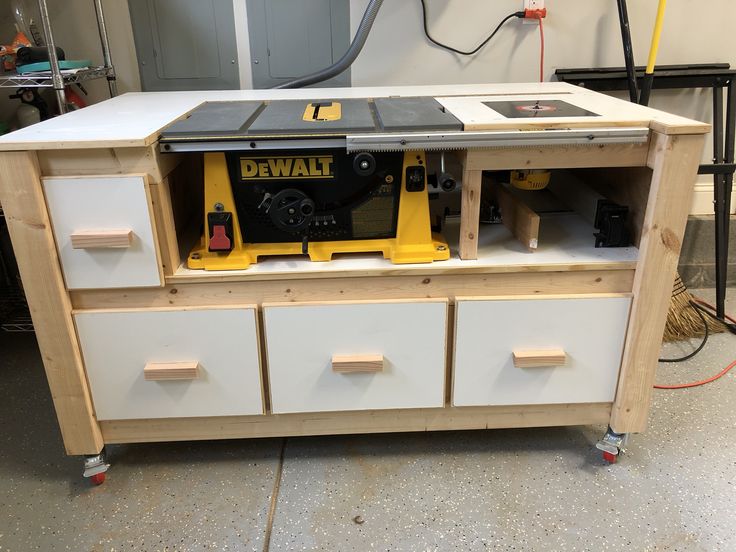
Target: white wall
[(75, 30), (578, 33)]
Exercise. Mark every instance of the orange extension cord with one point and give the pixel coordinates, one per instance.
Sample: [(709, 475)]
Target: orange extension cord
[(541, 51), (712, 378)]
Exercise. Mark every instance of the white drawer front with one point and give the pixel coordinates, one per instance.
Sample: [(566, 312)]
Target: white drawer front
[(118, 346), (302, 340), (589, 332), (83, 211)]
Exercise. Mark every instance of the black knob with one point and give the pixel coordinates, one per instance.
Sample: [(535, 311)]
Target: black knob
[(448, 183), (291, 210), (364, 164)]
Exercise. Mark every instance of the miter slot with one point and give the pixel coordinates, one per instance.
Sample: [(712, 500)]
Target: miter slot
[(376, 117)]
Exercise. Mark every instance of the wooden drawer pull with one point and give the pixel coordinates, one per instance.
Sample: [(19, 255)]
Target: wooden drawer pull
[(159, 371), (96, 239), (346, 364), (538, 358)]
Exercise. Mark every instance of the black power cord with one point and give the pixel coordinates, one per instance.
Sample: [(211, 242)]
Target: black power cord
[(697, 309), (519, 14)]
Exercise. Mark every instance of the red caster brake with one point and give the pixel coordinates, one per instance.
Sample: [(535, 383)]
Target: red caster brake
[(98, 478), (612, 445), (607, 456)]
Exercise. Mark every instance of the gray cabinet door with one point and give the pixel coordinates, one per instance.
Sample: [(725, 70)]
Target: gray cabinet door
[(185, 44), (290, 38)]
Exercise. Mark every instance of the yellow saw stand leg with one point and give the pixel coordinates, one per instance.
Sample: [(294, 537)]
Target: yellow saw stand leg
[(414, 242)]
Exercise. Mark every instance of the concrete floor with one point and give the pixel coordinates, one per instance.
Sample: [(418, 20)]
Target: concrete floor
[(535, 489)]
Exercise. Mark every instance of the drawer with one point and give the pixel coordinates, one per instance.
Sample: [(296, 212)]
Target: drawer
[(171, 363), (538, 351), (104, 232), (356, 356)]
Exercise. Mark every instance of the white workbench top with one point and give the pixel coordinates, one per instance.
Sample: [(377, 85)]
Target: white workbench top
[(136, 119)]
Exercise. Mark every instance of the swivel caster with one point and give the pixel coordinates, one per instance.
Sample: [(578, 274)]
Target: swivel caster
[(95, 467), (612, 445)]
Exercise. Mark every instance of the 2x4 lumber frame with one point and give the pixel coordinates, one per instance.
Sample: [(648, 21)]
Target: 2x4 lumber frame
[(674, 162), (21, 195)]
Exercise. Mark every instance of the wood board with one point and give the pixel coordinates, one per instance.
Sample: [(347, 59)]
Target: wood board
[(516, 215)]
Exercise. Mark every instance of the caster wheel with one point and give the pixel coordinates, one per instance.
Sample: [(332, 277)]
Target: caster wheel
[(98, 478), (607, 456)]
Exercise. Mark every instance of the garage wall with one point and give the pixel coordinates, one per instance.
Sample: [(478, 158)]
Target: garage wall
[(579, 33), (75, 30)]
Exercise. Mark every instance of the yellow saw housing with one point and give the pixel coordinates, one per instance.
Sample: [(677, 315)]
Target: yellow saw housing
[(414, 241)]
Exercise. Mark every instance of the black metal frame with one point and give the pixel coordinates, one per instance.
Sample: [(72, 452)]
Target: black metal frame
[(716, 76)]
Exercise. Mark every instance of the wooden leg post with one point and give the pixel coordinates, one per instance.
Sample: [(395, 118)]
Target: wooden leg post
[(470, 211), (30, 230), (674, 161)]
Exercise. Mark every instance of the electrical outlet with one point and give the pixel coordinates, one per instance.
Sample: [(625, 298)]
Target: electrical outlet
[(532, 5)]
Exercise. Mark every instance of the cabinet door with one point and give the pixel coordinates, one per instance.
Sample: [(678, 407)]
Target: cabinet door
[(104, 232), (538, 351), (171, 363), (356, 356)]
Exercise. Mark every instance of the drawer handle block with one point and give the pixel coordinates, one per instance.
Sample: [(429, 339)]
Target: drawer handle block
[(162, 371), (538, 358), (101, 239), (347, 364)]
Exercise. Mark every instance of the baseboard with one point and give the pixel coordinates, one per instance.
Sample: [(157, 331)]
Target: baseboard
[(703, 197), (697, 258), (704, 276)]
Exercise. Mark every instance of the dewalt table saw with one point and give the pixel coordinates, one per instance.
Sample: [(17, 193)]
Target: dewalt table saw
[(280, 180)]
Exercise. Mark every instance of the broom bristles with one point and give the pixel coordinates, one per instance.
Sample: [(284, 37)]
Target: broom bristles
[(683, 321)]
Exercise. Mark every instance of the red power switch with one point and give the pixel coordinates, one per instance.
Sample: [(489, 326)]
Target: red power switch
[(220, 231), (219, 240)]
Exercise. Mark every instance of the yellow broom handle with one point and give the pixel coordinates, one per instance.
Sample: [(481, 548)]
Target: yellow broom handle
[(654, 48)]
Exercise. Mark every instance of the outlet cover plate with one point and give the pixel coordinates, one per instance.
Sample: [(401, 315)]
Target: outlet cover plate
[(533, 5)]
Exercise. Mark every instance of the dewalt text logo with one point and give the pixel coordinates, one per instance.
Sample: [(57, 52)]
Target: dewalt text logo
[(286, 167)]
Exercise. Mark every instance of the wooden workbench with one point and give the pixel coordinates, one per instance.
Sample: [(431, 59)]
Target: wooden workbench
[(100, 318)]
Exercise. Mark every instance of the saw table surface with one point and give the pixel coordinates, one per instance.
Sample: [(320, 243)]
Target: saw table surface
[(246, 119)]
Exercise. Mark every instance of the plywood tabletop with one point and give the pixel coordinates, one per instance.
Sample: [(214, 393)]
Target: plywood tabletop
[(136, 119), (486, 112)]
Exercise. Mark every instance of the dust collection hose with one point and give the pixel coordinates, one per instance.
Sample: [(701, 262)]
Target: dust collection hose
[(348, 57), (646, 86)]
